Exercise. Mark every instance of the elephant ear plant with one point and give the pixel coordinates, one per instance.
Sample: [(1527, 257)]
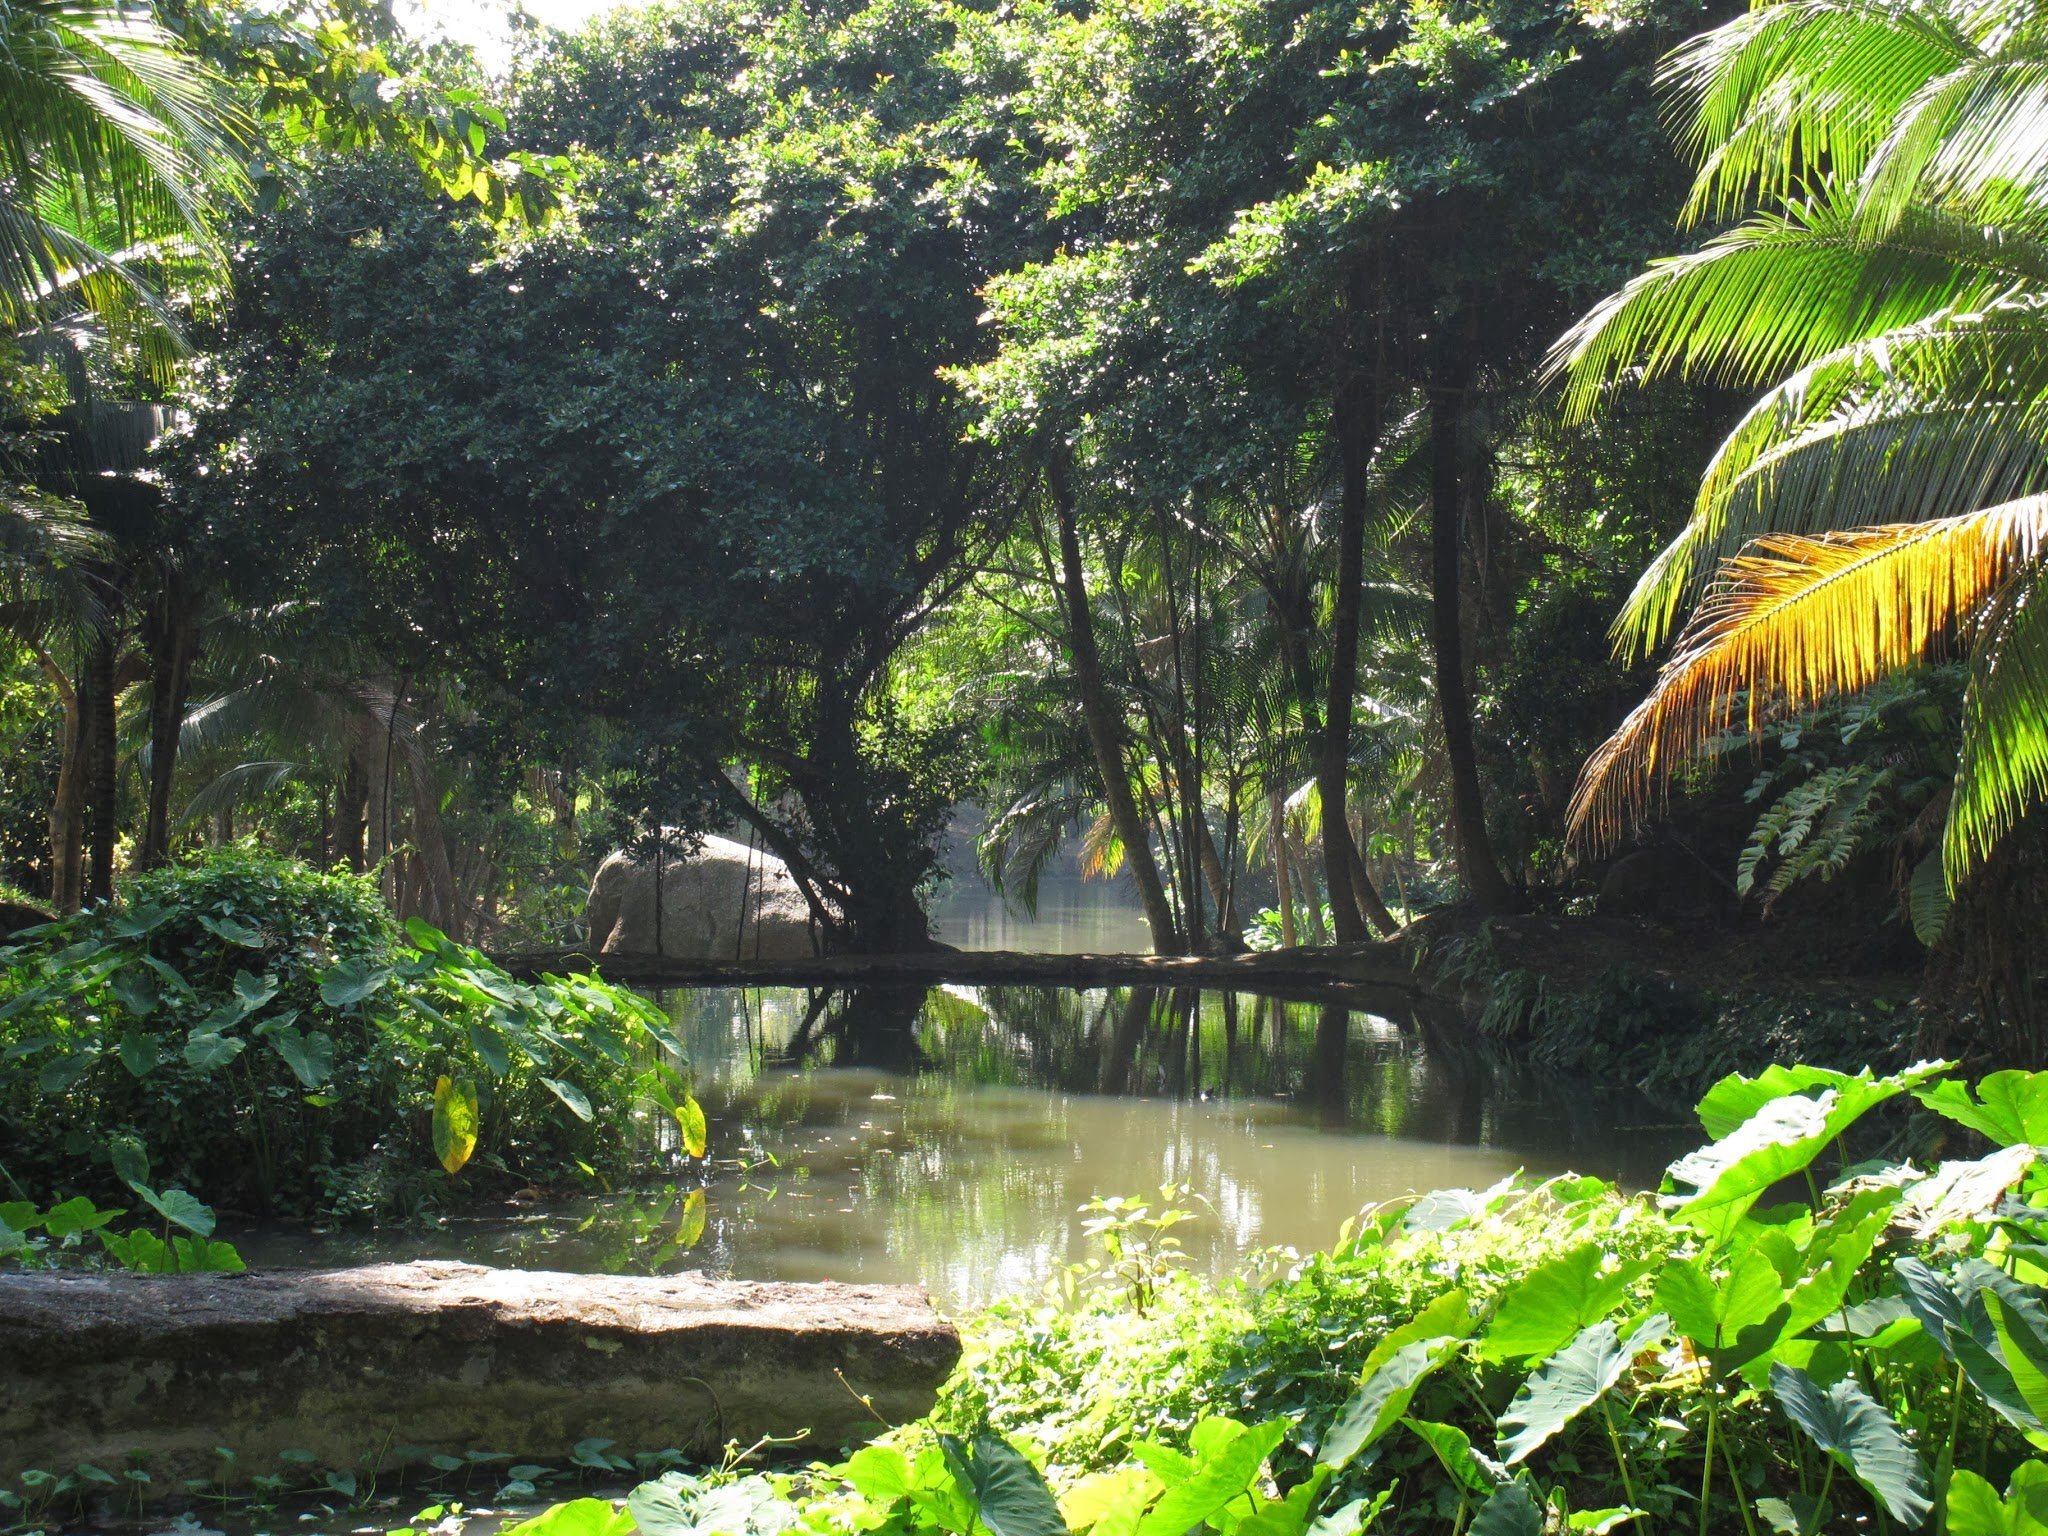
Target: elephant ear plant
[(1791, 1348), (1780, 1339), (277, 1042)]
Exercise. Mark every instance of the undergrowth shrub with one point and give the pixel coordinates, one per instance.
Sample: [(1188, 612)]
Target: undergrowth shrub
[(278, 1044)]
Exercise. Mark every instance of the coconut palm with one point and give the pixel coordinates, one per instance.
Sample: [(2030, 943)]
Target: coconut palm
[(117, 152), (1883, 502)]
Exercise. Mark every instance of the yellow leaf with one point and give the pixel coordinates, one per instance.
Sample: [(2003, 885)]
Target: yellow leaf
[(691, 1227), (1792, 620), (690, 1120), (456, 1120)]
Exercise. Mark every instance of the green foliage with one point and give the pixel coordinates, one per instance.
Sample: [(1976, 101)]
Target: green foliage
[(52, 1239), (269, 1037)]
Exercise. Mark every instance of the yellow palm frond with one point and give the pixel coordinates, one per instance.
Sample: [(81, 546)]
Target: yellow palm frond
[(1792, 620), (1102, 851)]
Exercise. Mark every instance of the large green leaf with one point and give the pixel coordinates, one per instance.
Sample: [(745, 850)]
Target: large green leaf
[(1010, 1495), (696, 1133), (1975, 1509), (1733, 1319), (1952, 1310), (2008, 1108), (1218, 1478), (180, 1208), (1474, 1469), (310, 1056), (350, 981), (570, 1095), (1568, 1383), (208, 1050), (1735, 1099), (1381, 1400), (1843, 1421), (1512, 1511), (2022, 1349), (1779, 1140), (1555, 1301), (1449, 1316), (578, 1517)]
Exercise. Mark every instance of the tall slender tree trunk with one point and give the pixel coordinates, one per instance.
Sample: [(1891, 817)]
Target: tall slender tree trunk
[(1353, 901), (1218, 882), (1283, 888), (1447, 405), (351, 821), (102, 762), (67, 805), (1104, 737), (171, 643)]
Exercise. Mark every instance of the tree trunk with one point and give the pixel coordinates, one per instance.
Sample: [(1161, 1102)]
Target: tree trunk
[(171, 643), (102, 750), (351, 821), (436, 891), (67, 806), (1283, 888), (1489, 891), (1352, 898), (1218, 882), (1363, 888), (1103, 735)]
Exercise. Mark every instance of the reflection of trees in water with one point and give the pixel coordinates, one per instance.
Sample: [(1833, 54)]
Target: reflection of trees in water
[(1345, 1069), (873, 1027)]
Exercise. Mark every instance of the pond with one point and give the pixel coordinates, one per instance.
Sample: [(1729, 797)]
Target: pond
[(950, 1135)]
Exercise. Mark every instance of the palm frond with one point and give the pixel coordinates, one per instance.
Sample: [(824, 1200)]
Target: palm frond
[(1974, 139), (113, 137), (243, 782), (1790, 86), (1932, 420), (1794, 620), (1784, 289), (2003, 768)]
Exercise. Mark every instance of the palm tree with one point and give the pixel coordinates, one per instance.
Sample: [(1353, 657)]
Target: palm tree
[(1886, 500), (117, 153)]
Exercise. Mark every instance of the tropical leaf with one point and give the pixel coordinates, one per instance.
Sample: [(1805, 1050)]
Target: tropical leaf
[(1568, 1383), (1782, 1138), (1843, 1421), (1011, 1496), (1785, 87), (2008, 1107), (1512, 1511), (1786, 288), (1795, 621), (456, 1121), (1975, 1509), (2003, 768), (1555, 1301), (1381, 1401), (1934, 419)]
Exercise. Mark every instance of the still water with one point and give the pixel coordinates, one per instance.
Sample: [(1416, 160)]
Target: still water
[(948, 1136)]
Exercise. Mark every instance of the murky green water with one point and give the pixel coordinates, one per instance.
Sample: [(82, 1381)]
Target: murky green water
[(948, 1136)]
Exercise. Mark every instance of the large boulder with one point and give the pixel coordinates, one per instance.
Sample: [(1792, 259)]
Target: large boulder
[(354, 1367), (725, 901)]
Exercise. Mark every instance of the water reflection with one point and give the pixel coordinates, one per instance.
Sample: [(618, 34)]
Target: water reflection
[(947, 1136), (1072, 917)]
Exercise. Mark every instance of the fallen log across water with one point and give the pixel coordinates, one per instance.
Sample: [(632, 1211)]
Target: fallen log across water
[(1386, 967), (364, 1369)]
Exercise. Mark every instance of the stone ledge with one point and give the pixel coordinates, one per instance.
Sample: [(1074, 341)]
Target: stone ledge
[(353, 1364)]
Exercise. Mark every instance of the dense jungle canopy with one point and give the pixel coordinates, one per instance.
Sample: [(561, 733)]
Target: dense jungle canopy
[(1219, 435)]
